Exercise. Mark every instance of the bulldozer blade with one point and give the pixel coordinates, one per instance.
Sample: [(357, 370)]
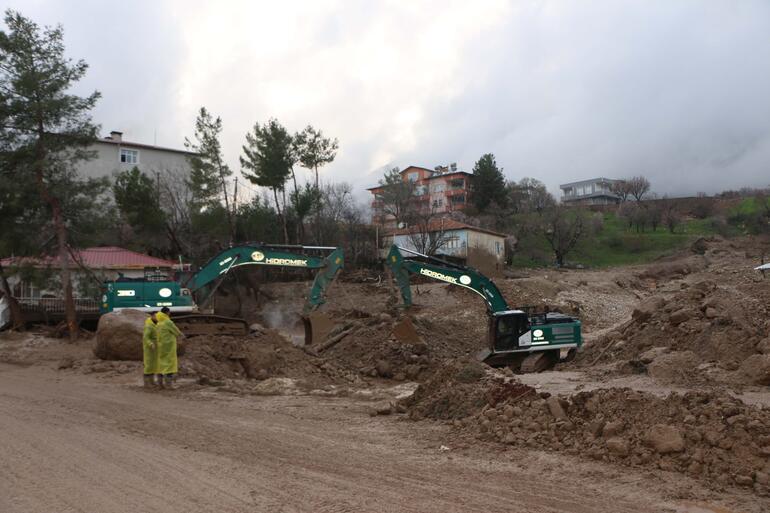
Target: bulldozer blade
[(405, 332), (317, 327)]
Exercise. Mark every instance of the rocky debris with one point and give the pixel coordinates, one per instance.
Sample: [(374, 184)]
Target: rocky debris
[(459, 388), (65, 363), (709, 436), (672, 335)]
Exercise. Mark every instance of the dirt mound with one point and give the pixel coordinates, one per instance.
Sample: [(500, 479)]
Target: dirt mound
[(266, 354), (376, 346), (708, 436), (460, 388), (702, 325)]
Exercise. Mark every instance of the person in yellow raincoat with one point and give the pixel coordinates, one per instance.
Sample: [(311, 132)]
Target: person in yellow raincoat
[(167, 360), (150, 350)]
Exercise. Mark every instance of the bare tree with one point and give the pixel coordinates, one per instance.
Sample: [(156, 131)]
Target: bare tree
[(427, 233), (638, 186), (670, 214), (397, 196), (621, 189), (563, 228)]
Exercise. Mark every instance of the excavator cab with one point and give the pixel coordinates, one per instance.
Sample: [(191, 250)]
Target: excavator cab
[(508, 331)]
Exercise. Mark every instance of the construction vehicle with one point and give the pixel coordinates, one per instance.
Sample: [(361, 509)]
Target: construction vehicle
[(157, 289), (524, 341)]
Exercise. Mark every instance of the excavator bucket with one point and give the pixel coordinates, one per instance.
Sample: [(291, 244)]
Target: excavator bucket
[(405, 332), (317, 327)]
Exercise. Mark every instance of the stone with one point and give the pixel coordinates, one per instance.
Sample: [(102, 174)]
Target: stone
[(119, 336), (762, 478), (612, 428), (711, 312), (384, 369), (650, 355), (743, 480), (595, 427), (681, 316), (256, 328), (618, 446), (763, 346), (756, 368), (555, 407), (647, 308), (664, 439)]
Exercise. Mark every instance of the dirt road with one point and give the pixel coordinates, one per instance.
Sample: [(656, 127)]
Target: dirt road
[(70, 442)]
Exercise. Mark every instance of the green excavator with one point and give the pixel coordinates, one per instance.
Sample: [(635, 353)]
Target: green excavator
[(524, 341), (157, 289)]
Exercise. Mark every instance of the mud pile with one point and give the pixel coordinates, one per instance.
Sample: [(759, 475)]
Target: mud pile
[(460, 389), (708, 436), (685, 335), (376, 346), (265, 354)]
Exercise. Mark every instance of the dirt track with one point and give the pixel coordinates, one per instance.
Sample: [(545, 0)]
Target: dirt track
[(77, 443)]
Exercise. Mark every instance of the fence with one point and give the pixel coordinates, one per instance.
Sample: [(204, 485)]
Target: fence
[(55, 305)]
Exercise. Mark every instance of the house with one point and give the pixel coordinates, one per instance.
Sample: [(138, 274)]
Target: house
[(595, 191), (89, 268), (450, 238), (440, 191), (113, 154)]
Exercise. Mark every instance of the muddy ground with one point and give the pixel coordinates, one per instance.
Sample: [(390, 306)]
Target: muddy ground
[(666, 408)]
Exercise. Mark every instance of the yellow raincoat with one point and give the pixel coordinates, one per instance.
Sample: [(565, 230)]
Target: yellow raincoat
[(167, 334), (150, 347)]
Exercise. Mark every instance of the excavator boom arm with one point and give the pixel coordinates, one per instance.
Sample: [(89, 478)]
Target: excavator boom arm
[(460, 276), (238, 256)]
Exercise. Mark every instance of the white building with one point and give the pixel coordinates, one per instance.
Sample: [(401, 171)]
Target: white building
[(114, 155)]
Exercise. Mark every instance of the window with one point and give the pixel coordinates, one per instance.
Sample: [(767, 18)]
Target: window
[(457, 184), (129, 156), (437, 187), (412, 177)]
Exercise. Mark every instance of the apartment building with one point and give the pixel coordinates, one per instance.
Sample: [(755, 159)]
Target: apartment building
[(440, 190)]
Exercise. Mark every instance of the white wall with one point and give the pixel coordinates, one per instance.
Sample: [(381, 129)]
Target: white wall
[(107, 162)]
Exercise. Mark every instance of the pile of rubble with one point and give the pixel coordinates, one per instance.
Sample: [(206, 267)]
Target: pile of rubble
[(708, 436), (692, 335)]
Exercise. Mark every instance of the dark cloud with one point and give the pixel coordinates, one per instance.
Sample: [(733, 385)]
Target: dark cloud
[(559, 91)]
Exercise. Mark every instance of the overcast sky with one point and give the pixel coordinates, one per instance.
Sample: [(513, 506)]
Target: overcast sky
[(678, 91)]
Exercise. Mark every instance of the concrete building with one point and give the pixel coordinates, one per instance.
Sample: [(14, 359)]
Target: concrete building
[(441, 190), (454, 239), (113, 155), (595, 191)]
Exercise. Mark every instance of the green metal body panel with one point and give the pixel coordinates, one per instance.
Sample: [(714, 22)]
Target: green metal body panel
[(144, 295), (156, 294)]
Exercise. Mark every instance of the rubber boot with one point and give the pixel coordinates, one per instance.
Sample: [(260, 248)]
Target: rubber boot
[(159, 381), (149, 381), (168, 382)]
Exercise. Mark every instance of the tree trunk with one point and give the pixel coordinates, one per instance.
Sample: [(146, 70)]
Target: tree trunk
[(69, 301), (281, 215), (61, 233), (227, 201), (17, 315)]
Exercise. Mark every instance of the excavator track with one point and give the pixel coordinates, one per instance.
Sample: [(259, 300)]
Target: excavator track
[(193, 325), (540, 361)]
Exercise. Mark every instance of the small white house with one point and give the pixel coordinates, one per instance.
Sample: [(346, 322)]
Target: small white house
[(450, 238)]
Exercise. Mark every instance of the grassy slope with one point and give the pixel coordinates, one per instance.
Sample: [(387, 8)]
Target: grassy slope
[(615, 244)]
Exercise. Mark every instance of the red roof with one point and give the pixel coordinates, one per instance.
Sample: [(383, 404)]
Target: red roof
[(107, 257), (437, 225)]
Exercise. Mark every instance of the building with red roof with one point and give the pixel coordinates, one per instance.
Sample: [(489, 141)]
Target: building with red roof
[(440, 191), (89, 266)]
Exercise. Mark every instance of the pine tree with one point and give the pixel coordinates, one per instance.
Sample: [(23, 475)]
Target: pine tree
[(488, 183), (46, 130), (268, 157), (209, 173)]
